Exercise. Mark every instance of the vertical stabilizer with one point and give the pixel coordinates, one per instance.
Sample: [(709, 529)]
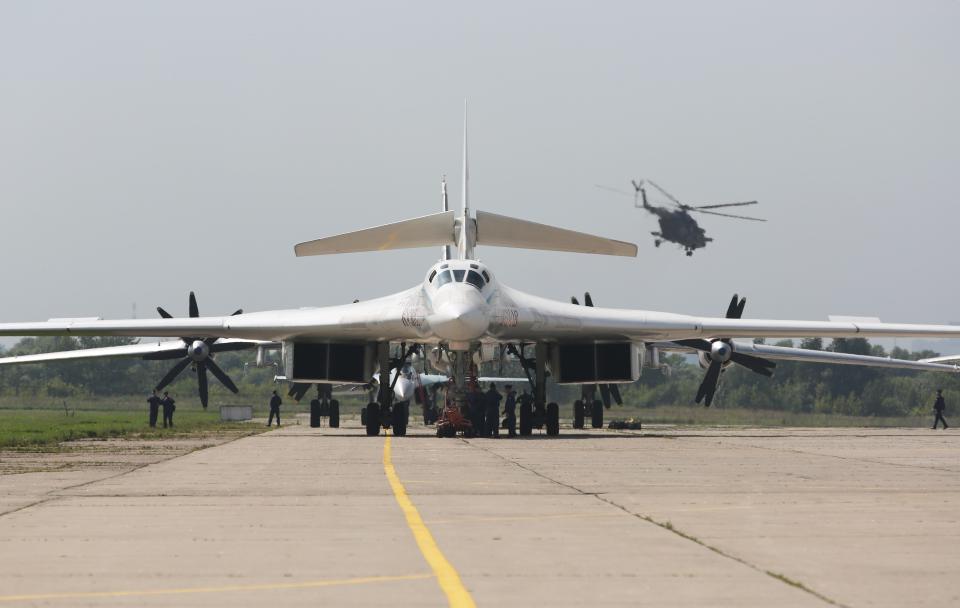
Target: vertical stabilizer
[(445, 254), (467, 227)]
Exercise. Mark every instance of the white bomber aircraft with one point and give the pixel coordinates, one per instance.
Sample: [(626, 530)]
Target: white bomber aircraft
[(461, 311)]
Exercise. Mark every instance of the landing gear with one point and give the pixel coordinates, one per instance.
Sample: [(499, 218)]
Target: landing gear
[(526, 419), (689, 252), (579, 412), (657, 242), (324, 405), (400, 418), (371, 418), (596, 414), (553, 419)]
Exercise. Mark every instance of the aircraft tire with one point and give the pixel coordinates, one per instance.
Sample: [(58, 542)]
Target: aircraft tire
[(401, 416), (596, 415), (578, 414), (334, 414), (526, 419), (553, 419), (372, 420)]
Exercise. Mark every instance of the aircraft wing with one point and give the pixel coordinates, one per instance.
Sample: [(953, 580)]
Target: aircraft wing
[(955, 359), (534, 318), (786, 353), (148, 350), (395, 317)]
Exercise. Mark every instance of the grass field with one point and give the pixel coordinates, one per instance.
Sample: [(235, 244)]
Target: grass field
[(38, 428)]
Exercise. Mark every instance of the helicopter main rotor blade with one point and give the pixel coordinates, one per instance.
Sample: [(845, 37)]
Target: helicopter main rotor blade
[(726, 205), (739, 217), (616, 190), (672, 198)]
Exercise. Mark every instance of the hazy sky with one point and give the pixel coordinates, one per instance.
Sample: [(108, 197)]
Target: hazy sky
[(147, 149)]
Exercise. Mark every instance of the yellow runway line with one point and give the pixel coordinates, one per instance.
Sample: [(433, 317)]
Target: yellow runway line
[(225, 589), (447, 576)]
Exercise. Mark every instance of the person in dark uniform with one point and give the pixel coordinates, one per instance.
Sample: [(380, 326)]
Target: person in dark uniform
[(510, 411), (477, 410), (275, 402), (938, 408), (168, 407), (154, 402), (492, 400)]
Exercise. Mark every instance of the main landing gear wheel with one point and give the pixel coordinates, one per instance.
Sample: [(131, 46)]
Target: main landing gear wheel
[(372, 419), (334, 414), (401, 415), (579, 413), (596, 414), (689, 253), (526, 419), (553, 419), (657, 242)]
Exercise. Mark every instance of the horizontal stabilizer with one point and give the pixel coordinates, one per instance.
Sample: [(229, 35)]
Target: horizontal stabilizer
[(503, 231), (426, 231)]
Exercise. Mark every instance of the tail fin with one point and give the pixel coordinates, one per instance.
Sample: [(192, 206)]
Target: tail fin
[(503, 231), (468, 235), (488, 229), (445, 253), (426, 231)]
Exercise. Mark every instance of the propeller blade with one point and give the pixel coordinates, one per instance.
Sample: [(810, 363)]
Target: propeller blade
[(173, 373), (732, 307), (573, 300), (202, 381), (725, 205), (615, 391), (238, 311), (587, 300), (166, 356), (708, 387), (224, 379), (221, 347), (695, 343), (758, 365), (163, 313), (301, 391), (637, 185), (741, 306), (605, 395), (194, 310), (293, 389)]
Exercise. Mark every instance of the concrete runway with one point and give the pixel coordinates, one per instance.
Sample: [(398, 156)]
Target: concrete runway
[(663, 517)]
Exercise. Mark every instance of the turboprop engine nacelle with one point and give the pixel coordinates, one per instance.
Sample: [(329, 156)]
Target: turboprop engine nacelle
[(720, 351)]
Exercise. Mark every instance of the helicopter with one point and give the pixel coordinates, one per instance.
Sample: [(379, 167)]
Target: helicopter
[(677, 225)]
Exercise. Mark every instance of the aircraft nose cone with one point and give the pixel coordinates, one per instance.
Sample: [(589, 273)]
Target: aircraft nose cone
[(460, 319)]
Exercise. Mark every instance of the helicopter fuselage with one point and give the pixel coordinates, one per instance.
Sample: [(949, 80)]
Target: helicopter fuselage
[(677, 226)]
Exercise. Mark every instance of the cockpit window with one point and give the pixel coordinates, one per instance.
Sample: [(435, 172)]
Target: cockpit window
[(432, 274), (475, 279), (474, 266), (458, 275), (443, 278), (486, 276)]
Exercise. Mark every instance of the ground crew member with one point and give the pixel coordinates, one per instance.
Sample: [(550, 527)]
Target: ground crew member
[(274, 409), (154, 402), (477, 409), (492, 400), (168, 407), (938, 408), (510, 411)]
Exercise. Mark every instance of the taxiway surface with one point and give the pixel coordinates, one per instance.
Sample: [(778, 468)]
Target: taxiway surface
[(663, 517)]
